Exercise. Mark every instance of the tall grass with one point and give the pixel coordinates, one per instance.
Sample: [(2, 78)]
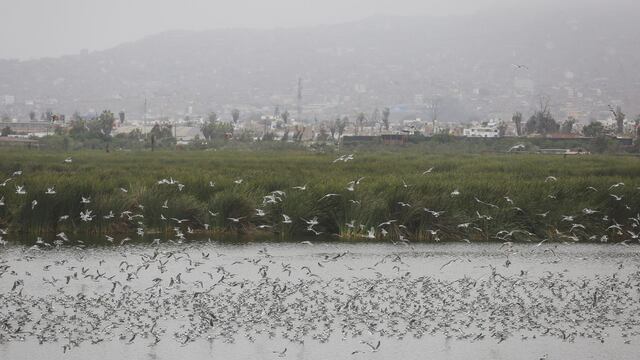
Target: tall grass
[(390, 177)]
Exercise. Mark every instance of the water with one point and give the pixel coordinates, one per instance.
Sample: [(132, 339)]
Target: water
[(253, 300)]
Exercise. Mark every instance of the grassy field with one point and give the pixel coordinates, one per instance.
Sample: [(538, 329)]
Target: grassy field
[(496, 192)]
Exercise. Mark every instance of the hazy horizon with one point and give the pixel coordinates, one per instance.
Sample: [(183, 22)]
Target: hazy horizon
[(32, 29)]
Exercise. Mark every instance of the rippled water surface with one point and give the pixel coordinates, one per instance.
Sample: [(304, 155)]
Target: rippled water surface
[(321, 301)]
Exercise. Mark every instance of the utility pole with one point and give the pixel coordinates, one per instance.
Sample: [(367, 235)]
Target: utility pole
[(299, 98), (144, 116)]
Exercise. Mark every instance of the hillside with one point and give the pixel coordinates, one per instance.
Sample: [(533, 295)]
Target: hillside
[(582, 58)]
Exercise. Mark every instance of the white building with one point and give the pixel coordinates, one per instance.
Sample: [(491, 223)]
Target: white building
[(487, 132), (9, 99)]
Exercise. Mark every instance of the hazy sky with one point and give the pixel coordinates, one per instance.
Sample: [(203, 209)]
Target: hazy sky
[(36, 28)]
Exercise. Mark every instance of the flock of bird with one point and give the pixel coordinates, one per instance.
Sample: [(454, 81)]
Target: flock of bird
[(183, 293), (566, 227), (179, 290)]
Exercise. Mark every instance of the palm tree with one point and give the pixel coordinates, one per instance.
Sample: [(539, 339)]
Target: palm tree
[(385, 117), (235, 115), (517, 119), (619, 117), (360, 119)]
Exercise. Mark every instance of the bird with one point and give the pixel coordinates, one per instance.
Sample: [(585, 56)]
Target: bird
[(301, 188), (517, 147), (485, 203), (328, 196), (4, 183), (68, 160), (386, 223), (281, 353), (550, 178), (616, 185), (20, 190), (86, 215), (179, 221), (287, 219), (85, 200), (428, 171), (311, 222), (434, 213), (351, 186), (520, 66), (371, 234), (235, 220), (50, 191), (373, 348)]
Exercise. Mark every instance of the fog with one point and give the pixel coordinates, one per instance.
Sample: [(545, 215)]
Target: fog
[(168, 58), (38, 28)]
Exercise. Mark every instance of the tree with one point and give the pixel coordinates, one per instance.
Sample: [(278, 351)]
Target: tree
[(6, 131), (161, 135), (595, 129), (373, 120), (333, 126), (502, 129), (32, 116), (208, 128), (435, 112), (106, 120), (567, 125), (285, 116), (542, 122), (322, 135), (341, 126), (161, 131), (619, 117), (76, 116), (517, 119), (385, 118), (104, 126), (121, 115), (299, 132), (360, 119), (235, 115), (216, 130), (78, 129)]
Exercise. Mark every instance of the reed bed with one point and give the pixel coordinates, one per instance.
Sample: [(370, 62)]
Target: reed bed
[(126, 184)]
